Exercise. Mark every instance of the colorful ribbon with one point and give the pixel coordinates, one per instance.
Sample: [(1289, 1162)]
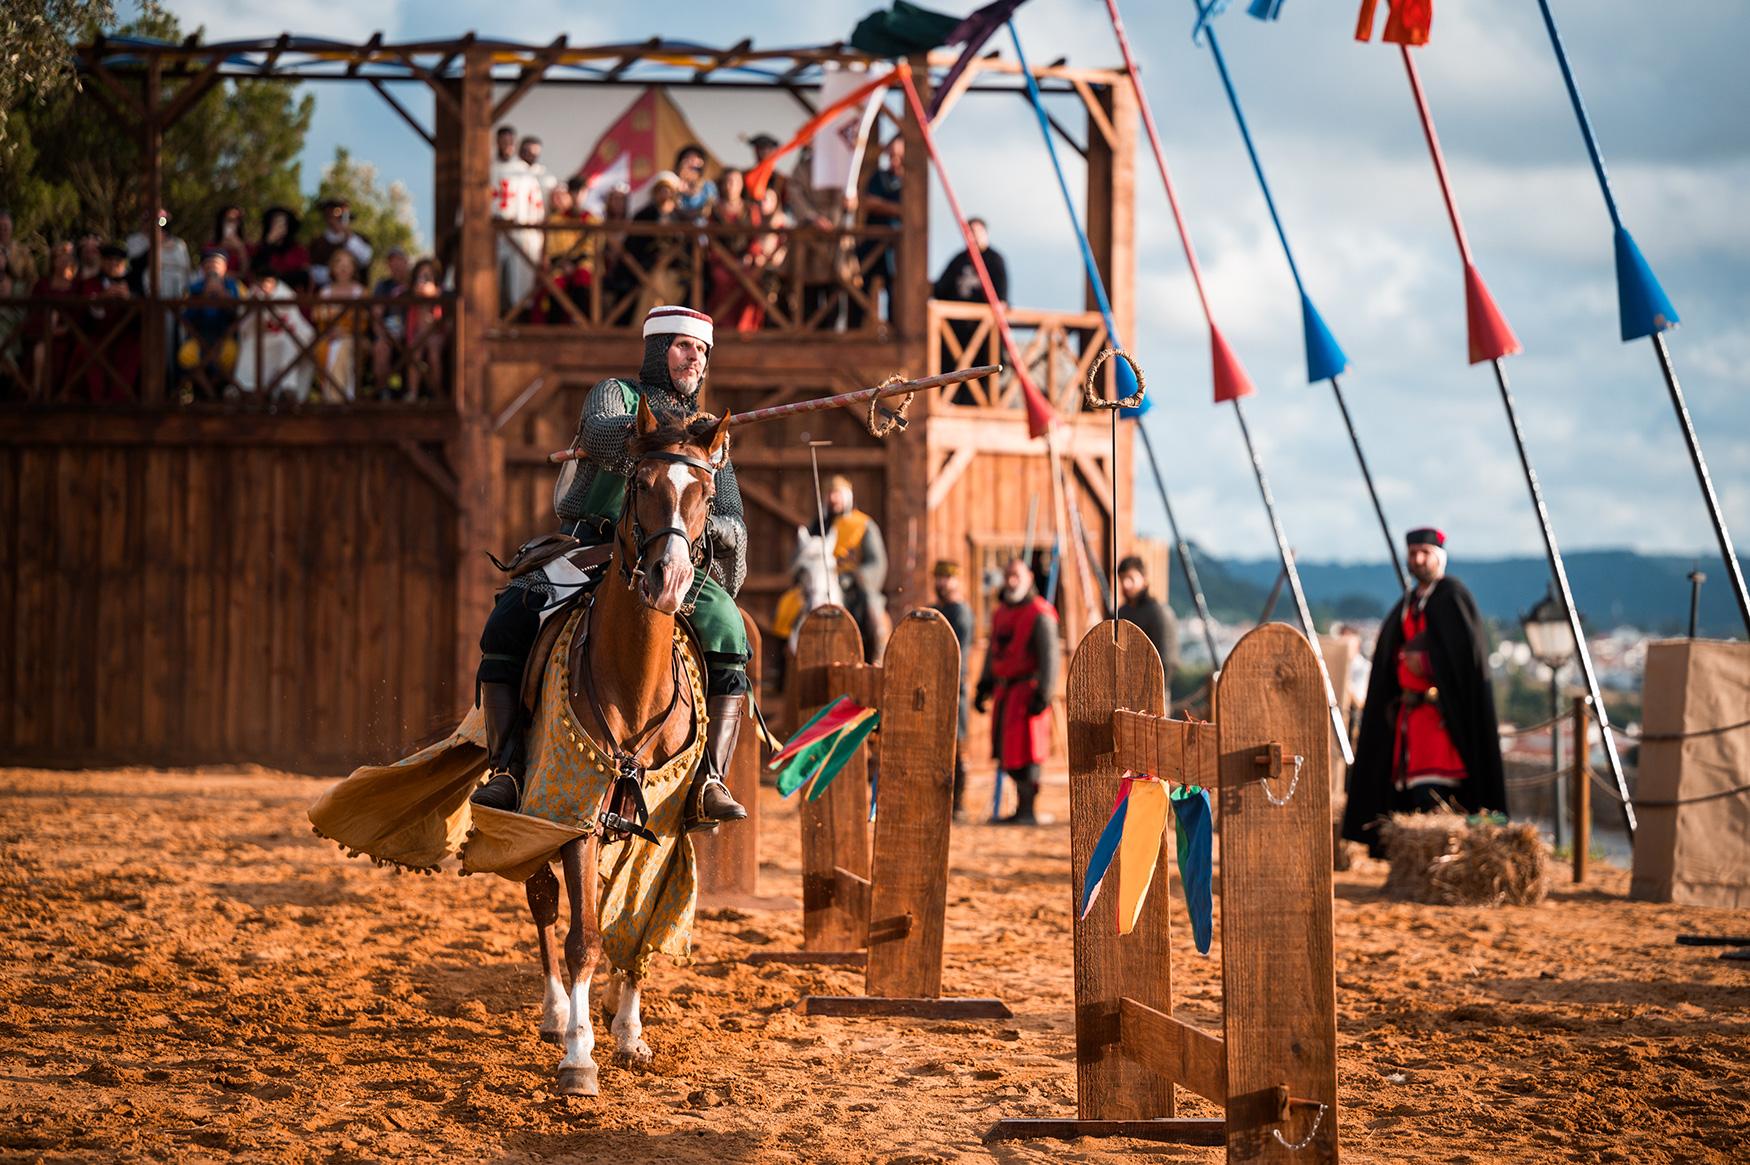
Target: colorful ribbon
[(1196, 861)]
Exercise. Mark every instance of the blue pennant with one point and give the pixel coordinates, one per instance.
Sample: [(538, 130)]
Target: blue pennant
[(1644, 307), (1324, 356), (1105, 849)]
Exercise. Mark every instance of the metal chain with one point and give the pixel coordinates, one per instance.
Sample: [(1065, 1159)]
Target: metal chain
[(1665, 737), (1292, 785), (1297, 1146), (1538, 727), (1638, 803)]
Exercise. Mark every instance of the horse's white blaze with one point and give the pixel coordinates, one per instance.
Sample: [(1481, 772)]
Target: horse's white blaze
[(628, 1025), (580, 1036), (677, 579), (555, 1008)]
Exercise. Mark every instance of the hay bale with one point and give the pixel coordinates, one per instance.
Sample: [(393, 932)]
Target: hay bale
[(1443, 860)]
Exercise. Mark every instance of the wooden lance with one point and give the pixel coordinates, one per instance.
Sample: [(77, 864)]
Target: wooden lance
[(821, 404)]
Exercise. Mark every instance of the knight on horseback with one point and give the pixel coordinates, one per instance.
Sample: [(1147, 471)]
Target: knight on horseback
[(550, 570)]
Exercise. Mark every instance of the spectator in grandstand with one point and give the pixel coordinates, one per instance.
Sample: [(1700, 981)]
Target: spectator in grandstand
[(697, 193), (340, 326), (228, 237), (279, 253), (426, 331), (110, 374), (389, 331), (209, 352), (48, 330), (529, 150), (337, 235)]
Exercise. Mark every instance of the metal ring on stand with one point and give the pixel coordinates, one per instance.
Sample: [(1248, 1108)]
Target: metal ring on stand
[(1091, 395)]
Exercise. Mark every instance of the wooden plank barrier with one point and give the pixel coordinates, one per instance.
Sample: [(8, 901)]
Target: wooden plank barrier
[(729, 856), (1266, 762), (892, 919)]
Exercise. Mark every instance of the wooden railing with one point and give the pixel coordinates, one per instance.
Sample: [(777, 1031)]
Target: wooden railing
[(247, 352), (753, 280), (1059, 348)]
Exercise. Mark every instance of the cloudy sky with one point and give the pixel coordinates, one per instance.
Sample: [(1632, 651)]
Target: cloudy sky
[(1339, 137)]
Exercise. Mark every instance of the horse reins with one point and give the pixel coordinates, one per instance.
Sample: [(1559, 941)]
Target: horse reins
[(630, 565)]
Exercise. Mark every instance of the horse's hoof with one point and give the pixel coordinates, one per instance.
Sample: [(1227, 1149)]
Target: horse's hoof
[(553, 1037), (578, 1081), (636, 1055)]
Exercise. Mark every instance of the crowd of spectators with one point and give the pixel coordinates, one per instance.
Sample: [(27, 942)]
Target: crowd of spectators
[(593, 244), (293, 315)]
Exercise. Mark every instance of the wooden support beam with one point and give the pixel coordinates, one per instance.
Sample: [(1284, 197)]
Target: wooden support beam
[(1098, 121), (943, 482), (531, 76), (364, 54), (425, 135), (1186, 1055), (908, 1007), (764, 498), (535, 394), (1095, 478), (730, 56), (1177, 750), (862, 682), (1177, 1131), (100, 73), (432, 470), (190, 93)]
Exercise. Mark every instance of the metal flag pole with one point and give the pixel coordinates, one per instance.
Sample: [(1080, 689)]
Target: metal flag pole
[(1646, 311), (1325, 359), (820, 510), (1186, 566), (1231, 381), (1126, 374), (1491, 339)]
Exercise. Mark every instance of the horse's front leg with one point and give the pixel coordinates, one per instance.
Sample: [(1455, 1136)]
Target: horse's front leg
[(583, 949), (543, 892), (630, 1050)]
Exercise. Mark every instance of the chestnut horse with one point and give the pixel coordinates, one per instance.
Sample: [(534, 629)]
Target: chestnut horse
[(628, 695)]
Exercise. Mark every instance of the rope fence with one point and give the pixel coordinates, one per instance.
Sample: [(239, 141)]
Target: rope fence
[(1668, 737)]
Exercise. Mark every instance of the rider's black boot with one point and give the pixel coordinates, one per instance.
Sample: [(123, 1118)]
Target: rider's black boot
[(709, 802), (504, 789)]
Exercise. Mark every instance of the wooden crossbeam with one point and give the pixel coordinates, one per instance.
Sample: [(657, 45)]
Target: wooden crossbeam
[(190, 93), (862, 682), (730, 56), (1186, 1055), (531, 76), (1177, 750), (426, 135)]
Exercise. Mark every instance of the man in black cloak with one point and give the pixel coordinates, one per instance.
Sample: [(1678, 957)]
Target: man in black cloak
[(1428, 733)]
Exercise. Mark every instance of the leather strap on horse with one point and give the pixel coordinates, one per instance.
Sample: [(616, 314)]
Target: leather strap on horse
[(627, 814)]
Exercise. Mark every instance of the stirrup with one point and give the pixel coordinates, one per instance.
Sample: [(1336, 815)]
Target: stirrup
[(696, 818), (491, 792)]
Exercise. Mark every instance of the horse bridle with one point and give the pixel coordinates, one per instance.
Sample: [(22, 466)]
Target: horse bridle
[(631, 565)]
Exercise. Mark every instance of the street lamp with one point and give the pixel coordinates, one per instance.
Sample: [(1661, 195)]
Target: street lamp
[(1550, 637)]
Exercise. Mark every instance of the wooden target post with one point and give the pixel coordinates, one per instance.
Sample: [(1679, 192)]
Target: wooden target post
[(1265, 761), (887, 915), (729, 856)]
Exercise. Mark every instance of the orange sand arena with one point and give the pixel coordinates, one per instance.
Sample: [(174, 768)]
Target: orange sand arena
[(187, 973)]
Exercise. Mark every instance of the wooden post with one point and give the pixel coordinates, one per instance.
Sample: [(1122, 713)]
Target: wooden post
[(908, 454), (835, 829), (1277, 961), (729, 856), (919, 705), (1582, 797), (154, 358), (1115, 666)]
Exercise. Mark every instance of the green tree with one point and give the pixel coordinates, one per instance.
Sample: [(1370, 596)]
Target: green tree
[(383, 216), (75, 168), (36, 58)]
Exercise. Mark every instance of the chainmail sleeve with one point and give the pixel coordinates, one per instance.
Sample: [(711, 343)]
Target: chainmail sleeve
[(605, 429), (727, 529)]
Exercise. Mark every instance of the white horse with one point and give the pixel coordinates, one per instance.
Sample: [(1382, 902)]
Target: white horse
[(816, 573)]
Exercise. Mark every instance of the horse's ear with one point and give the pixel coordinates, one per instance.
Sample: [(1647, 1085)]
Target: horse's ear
[(718, 451), (647, 423)]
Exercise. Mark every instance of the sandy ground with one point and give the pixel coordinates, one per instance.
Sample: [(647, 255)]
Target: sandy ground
[(187, 973)]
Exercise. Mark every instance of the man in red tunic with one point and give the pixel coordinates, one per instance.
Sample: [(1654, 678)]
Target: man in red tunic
[(1020, 672), (1428, 736)]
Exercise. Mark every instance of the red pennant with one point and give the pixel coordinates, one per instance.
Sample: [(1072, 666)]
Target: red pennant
[(1231, 381), (1491, 336), (1040, 415)]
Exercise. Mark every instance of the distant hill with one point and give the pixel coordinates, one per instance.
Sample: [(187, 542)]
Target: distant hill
[(1613, 588)]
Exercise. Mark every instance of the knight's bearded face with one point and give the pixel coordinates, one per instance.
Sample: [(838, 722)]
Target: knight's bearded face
[(686, 363)]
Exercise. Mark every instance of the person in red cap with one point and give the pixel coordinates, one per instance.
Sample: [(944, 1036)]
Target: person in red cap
[(1428, 733)]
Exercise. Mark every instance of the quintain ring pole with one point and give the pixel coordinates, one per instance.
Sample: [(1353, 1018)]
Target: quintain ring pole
[(1091, 392), (820, 404)]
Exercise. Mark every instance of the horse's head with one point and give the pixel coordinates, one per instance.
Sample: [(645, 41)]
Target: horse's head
[(667, 503), (815, 570)]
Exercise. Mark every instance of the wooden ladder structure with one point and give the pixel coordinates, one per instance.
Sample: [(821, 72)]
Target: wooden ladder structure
[(883, 911), (1266, 763)]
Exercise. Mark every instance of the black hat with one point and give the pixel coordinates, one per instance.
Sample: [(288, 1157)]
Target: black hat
[(763, 141), (111, 251), (1426, 536)]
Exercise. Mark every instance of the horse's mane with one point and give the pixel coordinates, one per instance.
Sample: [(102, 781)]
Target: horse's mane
[(696, 430)]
